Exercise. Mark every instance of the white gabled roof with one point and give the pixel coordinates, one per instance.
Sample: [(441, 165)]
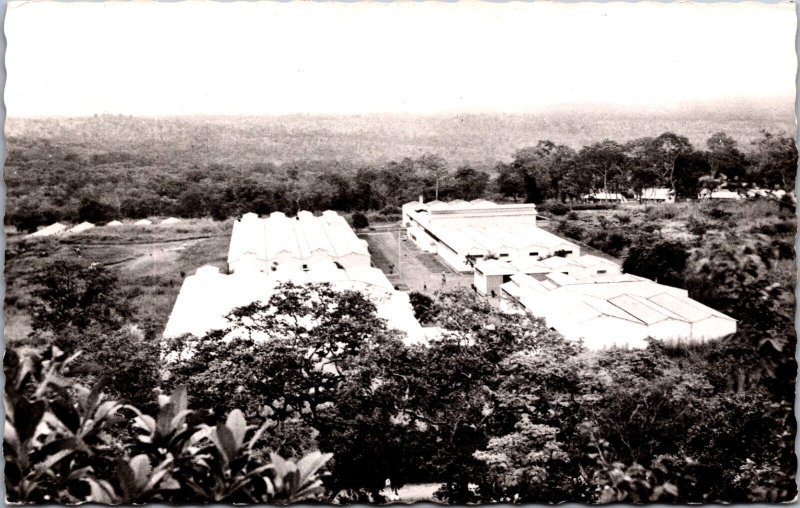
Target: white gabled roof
[(208, 296), (301, 238), (53, 229), (80, 228)]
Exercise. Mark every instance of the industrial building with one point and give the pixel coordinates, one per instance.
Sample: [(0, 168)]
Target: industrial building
[(266, 252), (616, 311), (462, 233), (299, 242), (209, 295), (490, 274)]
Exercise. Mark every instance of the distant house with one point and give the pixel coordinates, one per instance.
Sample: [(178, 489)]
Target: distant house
[(605, 197), (720, 194), (51, 230), (658, 195)]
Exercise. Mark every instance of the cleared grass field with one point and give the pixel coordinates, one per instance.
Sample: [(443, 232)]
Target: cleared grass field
[(150, 264)]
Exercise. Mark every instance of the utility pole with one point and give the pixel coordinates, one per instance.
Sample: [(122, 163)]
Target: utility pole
[(400, 253)]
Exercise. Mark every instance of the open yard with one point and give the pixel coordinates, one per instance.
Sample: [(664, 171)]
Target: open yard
[(416, 270)]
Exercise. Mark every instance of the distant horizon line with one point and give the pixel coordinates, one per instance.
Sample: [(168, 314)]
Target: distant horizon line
[(736, 102)]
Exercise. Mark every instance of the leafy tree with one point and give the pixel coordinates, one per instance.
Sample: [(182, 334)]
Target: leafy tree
[(661, 260), (423, 306), (688, 169), (73, 294), (774, 160), (725, 158), (603, 161), (470, 183), (63, 443), (360, 221), (30, 214)]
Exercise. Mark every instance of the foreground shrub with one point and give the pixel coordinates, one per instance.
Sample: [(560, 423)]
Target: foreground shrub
[(64, 443)]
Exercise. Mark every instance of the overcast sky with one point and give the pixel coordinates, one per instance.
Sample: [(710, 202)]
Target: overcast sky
[(275, 58)]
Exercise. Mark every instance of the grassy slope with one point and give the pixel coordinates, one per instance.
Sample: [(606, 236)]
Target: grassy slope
[(150, 263)]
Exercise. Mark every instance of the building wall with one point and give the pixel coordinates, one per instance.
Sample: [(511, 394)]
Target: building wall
[(712, 328)]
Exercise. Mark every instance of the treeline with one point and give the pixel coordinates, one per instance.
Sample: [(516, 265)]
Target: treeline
[(50, 182)]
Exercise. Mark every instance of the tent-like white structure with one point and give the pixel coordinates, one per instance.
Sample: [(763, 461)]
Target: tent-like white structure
[(143, 222), (51, 230), (80, 228), (114, 223), (617, 311), (300, 241), (170, 221)]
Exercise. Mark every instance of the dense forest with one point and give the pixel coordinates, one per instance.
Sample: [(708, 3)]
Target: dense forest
[(161, 168)]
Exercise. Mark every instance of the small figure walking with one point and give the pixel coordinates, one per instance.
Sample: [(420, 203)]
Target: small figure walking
[(425, 286), (444, 278)]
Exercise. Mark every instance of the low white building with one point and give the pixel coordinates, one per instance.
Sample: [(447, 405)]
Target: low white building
[(461, 233), (617, 311), (722, 194), (209, 295), (658, 195), (606, 197), (299, 242), (490, 274)]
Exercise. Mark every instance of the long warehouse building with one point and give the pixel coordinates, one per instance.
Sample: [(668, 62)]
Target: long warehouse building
[(300, 242), (462, 232), (617, 311), (265, 252)]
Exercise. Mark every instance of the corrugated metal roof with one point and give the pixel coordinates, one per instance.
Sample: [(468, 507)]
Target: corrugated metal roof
[(641, 311), (301, 237)]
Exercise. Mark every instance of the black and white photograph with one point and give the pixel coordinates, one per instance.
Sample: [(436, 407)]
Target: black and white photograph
[(395, 252)]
